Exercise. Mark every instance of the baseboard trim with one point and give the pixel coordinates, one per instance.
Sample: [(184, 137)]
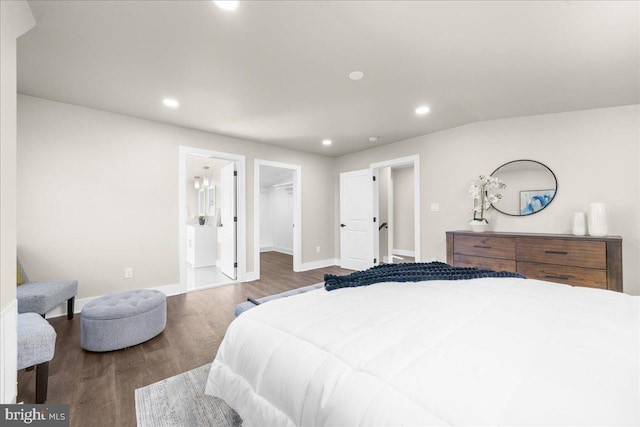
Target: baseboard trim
[(403, 252), (280, 249), (171, 290), (306, 266), (61, 310), (178, 289), (9, 353), (251, 276)]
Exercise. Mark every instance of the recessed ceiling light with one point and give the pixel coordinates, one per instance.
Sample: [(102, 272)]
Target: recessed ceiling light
[(326, 142), (356, 75), (422, 110), (226, 4), (374, 138), (172, 103)]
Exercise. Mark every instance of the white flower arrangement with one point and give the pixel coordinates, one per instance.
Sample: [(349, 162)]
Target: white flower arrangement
[(482, 198)]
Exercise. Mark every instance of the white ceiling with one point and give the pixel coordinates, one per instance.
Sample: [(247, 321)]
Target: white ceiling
[(276, 72)]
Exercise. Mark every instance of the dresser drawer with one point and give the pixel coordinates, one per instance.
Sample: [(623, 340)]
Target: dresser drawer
[(481, 262), (563, 252), (575, 276), (485, 246)]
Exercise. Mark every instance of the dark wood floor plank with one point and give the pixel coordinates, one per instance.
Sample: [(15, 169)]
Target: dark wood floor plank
[(100, 387), (126, 384), (95, 398)]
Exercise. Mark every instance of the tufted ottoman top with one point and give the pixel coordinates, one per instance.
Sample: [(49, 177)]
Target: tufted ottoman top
[(124, 304)]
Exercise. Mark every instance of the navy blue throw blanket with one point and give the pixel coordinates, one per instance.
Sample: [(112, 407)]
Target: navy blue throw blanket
[(410, 272)]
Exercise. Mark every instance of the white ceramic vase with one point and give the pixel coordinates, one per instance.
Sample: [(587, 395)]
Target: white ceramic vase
[(579, 224), (478, 226), (598, 219)]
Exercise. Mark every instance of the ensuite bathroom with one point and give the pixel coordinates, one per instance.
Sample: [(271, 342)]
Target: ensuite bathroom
[(205, 245)]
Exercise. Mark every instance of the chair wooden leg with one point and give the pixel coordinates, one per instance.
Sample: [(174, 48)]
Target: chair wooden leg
[(70, 302), (42, 382)]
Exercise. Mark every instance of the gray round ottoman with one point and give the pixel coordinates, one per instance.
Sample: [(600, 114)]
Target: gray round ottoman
[(116, 321)]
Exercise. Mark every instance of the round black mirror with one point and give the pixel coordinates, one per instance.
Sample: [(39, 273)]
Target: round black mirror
[(531, 187)]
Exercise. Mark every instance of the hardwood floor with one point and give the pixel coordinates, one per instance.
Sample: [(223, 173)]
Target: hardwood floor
[(99, 387)]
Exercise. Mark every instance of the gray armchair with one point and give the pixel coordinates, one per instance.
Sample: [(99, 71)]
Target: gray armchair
[(40, 297)]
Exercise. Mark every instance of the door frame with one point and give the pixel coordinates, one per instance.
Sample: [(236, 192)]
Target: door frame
[(297, 212), (241, 210), (228, 220), (390, 219), (403, 161)]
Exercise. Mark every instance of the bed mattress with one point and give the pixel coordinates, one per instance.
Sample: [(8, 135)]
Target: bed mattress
[(492, 351)]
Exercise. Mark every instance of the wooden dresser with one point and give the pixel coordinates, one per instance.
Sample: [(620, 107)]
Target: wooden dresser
[(594, 262)]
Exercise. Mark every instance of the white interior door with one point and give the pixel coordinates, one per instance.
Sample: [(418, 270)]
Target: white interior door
[(227, 231), (357, 220)]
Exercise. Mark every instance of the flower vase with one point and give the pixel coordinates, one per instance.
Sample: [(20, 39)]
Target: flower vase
[(479, 225)]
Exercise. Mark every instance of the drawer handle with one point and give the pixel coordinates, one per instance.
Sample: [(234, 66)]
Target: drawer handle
[(555, 276), (556, 252), (482, 247)]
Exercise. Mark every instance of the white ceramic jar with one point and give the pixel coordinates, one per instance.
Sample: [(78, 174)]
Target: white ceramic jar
[(598, 219), (579, 224)]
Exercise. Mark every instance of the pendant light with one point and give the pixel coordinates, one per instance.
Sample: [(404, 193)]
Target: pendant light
[(206, 181)]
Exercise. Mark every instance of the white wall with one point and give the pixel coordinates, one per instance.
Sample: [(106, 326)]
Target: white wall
[(276, 212), (266, 229), (594, 154), (15, 20), (86, 209), (403, 214), (282, 218)]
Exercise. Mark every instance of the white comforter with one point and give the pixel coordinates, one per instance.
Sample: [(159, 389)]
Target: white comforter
[(492, 352)]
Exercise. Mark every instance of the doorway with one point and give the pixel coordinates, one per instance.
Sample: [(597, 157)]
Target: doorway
[(211, 218), (395, 210), (362, 223), (277, 211), (398, 207)]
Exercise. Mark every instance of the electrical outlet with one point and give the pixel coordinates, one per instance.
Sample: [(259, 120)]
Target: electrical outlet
[(317, 249), (128, 273)]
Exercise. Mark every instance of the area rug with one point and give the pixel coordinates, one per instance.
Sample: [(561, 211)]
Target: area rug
[(180, 401)]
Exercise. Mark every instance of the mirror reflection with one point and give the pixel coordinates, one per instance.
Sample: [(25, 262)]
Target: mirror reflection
[(531, 186)]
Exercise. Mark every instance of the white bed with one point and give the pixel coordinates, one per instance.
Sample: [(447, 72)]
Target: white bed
[(493, 351)]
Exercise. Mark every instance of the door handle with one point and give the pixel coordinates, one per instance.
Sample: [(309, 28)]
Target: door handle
[(343, 225), (557, 276)]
